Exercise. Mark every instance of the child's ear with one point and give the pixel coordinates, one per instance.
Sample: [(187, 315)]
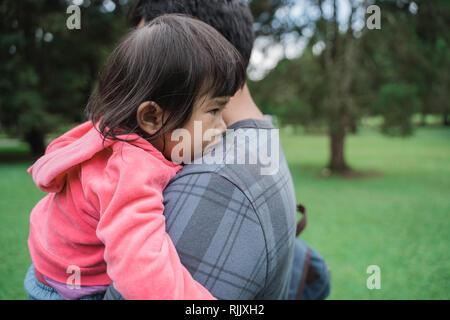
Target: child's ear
[(149, 117)]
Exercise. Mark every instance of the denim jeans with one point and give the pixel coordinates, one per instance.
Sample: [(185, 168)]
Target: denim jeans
[(317, 284), (39, 291)]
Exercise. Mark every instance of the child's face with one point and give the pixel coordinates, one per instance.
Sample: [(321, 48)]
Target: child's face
[(204, 128)]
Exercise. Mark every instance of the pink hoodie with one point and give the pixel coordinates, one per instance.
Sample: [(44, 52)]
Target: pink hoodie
[(104, 214)]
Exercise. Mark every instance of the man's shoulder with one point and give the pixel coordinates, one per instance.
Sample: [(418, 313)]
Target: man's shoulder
[(271, 196), (206, 205), (243, 156), (251, 159)]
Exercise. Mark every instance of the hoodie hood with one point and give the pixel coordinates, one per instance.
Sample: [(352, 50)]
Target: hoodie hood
[(74, 147)]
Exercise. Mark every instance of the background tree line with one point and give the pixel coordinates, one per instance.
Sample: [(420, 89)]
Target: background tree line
[(48, 71), (345, 72)]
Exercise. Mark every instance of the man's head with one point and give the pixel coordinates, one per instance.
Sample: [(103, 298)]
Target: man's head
[(232, 18)]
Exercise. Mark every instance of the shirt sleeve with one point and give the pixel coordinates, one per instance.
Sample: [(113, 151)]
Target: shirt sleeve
[(140, 256), (217, 234)]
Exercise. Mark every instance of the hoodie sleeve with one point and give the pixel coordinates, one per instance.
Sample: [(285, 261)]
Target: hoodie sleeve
[(140, 256)]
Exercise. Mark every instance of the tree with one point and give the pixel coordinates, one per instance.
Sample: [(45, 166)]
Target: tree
[(47, 70), (432, 26), (348, 71), (327, 76)]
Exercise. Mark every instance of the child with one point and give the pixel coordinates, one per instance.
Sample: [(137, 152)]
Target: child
[(103, 216)]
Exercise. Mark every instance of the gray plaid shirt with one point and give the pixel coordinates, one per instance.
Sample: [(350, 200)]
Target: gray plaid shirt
[(234, 228)]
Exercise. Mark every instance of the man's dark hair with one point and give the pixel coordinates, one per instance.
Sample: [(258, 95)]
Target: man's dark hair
[(174, 60), (232, 18)]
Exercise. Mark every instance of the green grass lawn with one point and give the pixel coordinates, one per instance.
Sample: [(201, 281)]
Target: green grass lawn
[(398, 219)]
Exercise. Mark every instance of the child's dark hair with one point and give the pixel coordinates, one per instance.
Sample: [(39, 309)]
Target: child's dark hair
[(174, 60)]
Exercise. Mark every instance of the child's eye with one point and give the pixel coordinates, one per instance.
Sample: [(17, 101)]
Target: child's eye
[(213, 111)]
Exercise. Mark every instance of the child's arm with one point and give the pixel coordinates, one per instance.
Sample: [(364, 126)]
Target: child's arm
[(141, 258)]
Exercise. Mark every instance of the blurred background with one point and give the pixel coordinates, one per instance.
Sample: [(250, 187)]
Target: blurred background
[(363, 116)]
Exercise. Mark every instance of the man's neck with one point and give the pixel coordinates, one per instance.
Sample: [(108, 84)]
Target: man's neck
[(241, 107)]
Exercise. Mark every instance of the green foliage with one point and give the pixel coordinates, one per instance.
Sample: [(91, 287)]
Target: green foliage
[(48, 71), (365, 72), (290, 91), (415, 50), (397, 102)]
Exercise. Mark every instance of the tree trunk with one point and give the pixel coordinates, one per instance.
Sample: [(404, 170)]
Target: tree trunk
[(353, 127), (35, 139), (423, 121), (337, 161), (445, 120)]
